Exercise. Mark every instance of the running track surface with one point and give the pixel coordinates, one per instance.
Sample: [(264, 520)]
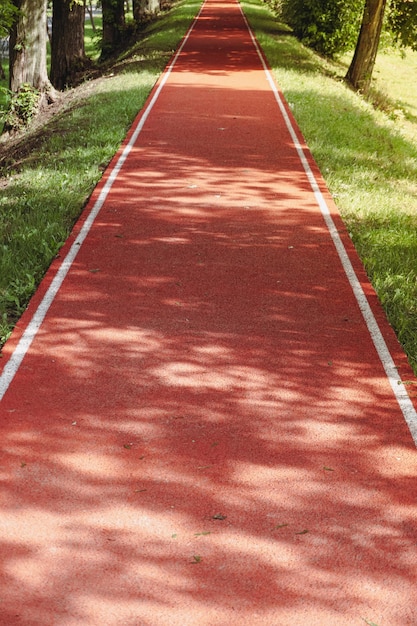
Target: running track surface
[(201, 432)]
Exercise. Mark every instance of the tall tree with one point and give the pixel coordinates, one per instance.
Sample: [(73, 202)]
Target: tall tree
[(27, 48), (359, 74), (113, 24), (67, 44)]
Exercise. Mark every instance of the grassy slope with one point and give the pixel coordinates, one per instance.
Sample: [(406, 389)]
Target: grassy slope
[(368, 158)]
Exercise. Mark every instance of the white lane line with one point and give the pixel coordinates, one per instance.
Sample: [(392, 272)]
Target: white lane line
[(12, 366), (400, 392)]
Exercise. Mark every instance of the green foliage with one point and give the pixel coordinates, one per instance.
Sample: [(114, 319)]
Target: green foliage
[(328, 26), (8, 13), (402, 21), (22, 107)]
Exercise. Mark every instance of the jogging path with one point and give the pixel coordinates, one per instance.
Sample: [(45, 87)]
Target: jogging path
[(198, 428)]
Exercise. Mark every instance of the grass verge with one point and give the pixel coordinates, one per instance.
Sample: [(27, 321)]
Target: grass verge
[(367, 156), (49, 173)]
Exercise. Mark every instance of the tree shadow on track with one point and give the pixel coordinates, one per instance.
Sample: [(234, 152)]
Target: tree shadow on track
[(202, 432), (198, 462)]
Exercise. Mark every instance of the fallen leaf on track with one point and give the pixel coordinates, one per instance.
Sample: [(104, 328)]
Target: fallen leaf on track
[(197, 559)]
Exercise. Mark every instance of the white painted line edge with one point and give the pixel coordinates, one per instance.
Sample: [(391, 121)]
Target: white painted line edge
[(12, 366), (397, 386)]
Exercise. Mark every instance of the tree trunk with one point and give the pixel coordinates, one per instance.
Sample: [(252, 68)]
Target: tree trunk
[(360, 71), (136, 10), (67, 46), (27, 48), (89, 8), (113, 23)]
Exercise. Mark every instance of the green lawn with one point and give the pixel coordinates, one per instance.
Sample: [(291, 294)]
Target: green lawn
[(396, 76)]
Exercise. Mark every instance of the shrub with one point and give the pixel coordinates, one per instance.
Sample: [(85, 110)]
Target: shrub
[(328, 26), (22, 107)]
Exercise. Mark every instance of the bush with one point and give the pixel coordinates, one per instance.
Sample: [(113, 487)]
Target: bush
[(328, 26), (23, 106)]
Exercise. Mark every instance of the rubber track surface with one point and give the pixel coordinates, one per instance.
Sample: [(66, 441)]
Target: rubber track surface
[(201, 431)]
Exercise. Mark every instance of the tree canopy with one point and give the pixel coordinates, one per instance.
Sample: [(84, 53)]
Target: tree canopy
[(402, 21), (328, 26), (8, 13)]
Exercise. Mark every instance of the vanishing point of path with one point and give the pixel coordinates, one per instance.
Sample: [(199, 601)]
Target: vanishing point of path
[(198, 428)]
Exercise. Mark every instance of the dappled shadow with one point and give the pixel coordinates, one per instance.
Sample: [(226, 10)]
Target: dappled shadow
[(199, 456), (389, 240), (202, 432)]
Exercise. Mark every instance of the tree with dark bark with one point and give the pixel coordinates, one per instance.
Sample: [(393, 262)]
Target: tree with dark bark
[(67, 44), (28, 76), (27, 48), (113, 24), (360, 71)]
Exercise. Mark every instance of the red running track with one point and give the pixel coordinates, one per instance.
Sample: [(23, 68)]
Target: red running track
[(197, 428)]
